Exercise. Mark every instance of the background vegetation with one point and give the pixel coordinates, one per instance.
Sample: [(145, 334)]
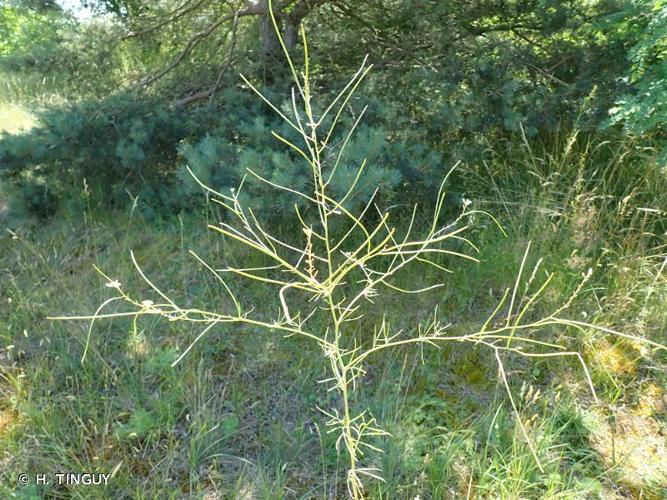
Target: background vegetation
[(553, 112)]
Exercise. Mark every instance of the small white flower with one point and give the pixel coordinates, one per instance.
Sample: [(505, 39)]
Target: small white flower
[(113, 284), (369, 293), (147, 304)]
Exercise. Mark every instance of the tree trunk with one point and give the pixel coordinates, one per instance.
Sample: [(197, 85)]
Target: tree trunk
[(270, 43), (275, 67), (288, 27), (290, 32)]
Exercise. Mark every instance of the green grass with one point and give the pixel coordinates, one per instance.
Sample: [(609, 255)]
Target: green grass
[(237, 419)]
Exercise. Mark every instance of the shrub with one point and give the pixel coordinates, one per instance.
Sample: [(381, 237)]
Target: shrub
[(118, 145), (245, 139), (143, 146)]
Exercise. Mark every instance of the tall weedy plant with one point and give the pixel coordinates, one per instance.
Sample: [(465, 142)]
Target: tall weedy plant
[(343, 260)]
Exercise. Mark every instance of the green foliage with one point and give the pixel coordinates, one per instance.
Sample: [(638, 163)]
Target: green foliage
[(143, 147), (47, 56), (120, 145), (500, 66), (242, 142), (139, 425), (25, 27), (501, 69), (644, 109)]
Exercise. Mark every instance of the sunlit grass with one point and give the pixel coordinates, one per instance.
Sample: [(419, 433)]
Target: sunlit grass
[(14, 119)]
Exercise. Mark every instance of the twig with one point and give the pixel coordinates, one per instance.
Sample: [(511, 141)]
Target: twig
[(195, 40)]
